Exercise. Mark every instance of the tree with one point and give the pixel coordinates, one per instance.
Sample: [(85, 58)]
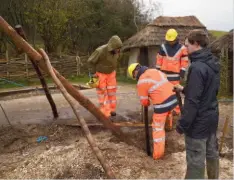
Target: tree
[(148, 11), (50, 18), (77, 25)]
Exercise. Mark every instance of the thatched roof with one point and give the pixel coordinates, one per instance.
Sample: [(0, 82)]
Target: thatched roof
[(184, 21), (225, 41), (154, 33)]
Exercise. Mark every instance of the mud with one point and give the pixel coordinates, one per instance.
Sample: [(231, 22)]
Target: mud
[(66, 154)]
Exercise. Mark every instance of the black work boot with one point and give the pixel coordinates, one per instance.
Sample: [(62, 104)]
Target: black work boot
[(113, 113), (212, 166), (113, 116)]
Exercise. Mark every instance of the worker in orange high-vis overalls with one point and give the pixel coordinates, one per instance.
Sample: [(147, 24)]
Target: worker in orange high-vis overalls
[(172, 58), (103, 63), (154, 86)]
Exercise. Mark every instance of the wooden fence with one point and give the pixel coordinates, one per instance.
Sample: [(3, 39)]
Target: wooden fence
[(226, 79), (20, 67)]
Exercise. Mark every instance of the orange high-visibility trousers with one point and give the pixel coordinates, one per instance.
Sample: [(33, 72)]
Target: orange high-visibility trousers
[(158, 131), (177, 110), (106, 92), (169, 121)]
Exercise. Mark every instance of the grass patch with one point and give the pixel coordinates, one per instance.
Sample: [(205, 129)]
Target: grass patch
[(218, 33), (78, 79), (85, 79), (124, 79), (81, 80), (5, 84), (225, 95)]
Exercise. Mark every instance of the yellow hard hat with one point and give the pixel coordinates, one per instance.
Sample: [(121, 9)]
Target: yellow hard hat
[(93, 82), (171, 35), (131, 68)]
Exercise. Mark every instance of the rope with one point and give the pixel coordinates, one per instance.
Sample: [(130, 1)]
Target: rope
[(12, 82)]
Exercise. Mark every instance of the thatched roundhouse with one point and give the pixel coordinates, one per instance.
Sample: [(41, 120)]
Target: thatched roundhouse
[(145, 44), (223, 48), (224, 42)]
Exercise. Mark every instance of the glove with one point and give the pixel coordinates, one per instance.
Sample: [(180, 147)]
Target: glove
[(145, 102), (148, 104), (94, 75), (182, 73), (178, 88)]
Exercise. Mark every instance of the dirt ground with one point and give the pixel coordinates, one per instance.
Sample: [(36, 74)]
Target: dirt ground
[(66, 152)]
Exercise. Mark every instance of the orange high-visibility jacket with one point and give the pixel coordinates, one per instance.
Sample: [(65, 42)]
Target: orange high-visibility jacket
[(173, 61), (154, 85)]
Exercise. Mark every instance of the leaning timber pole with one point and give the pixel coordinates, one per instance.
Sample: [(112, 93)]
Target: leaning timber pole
[(84, 126), (21, 32), (85, 102), (224, 133)]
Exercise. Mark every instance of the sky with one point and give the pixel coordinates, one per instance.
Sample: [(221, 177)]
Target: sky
[(214, 14)]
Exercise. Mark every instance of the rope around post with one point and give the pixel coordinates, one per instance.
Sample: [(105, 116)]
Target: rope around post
[(84, 126)]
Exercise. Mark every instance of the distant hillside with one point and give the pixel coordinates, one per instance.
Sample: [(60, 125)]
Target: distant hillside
[(218, 33)]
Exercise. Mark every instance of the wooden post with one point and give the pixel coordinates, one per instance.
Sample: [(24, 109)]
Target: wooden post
[(26, 64), (227, 74), (147, 136), (77, 65), (224, 133), (84, 126), (20, 31), (142, 114), (8, 61)]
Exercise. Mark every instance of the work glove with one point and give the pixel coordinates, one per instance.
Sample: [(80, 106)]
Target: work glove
[(148, 103), (94, 75), (178, 88), (182, 74), (145, 102)]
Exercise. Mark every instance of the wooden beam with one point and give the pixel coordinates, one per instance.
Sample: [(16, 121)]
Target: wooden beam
[(81, 120)]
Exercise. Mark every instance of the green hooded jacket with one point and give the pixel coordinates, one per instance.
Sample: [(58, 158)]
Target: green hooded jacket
[(102, 59)]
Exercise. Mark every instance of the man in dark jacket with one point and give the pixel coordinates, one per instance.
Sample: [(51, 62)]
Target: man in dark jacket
[(200, 115)]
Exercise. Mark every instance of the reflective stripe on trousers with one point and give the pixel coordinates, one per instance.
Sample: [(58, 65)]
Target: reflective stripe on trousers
[(158, 67), (158, 134), (144, 97), (106, 91), (110, 102)]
